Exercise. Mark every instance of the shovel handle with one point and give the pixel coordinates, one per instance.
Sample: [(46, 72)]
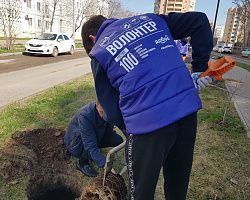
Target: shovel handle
[(107, 166)]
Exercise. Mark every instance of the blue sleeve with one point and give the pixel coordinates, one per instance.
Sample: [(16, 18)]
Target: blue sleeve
[(107, 95), (89, 140), (196, 26)]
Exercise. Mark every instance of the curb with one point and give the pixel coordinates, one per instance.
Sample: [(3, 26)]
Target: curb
[(240, 113), (11, 54), (21, 53)]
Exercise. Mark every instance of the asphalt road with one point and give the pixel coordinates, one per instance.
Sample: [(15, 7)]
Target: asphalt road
[(27, 76), (22, 76), (19, 62), (236, 57)]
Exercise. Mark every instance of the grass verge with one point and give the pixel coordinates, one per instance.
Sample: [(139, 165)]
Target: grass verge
[(221, 168), (79, 45), (21, 38), (244, 66), (17, 48)]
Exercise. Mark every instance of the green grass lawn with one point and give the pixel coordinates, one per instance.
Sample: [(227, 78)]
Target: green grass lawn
[(79, 45), (221, 168), (244, 66), (23, 38), (17, 48)]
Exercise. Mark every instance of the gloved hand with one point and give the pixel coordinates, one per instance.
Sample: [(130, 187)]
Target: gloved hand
[(96, 155), (201, 82)]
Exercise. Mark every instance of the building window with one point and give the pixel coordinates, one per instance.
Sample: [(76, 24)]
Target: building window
[(29, 3), (61, 10), (46, 9), (30, 21), (47, 25), (170, 5), (38, 6), (39, 23)]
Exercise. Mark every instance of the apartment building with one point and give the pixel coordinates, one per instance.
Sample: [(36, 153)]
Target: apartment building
[(36, 16), (232, 25), (218, 33), (234, 28), (167, 6)]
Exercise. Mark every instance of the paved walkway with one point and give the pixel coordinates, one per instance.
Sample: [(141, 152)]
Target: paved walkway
[(238, 83), (20, 84)]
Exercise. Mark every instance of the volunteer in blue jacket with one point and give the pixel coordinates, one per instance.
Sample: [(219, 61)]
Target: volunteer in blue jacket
[(145, 88), (183, 47), (87, 133)]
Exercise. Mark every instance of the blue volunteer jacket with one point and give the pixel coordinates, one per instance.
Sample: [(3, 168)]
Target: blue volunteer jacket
[(146, 73)]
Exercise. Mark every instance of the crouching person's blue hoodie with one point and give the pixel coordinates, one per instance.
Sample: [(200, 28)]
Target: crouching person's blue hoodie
[(88, 132)]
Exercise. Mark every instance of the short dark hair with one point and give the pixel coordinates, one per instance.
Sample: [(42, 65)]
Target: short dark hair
[(91, 27)]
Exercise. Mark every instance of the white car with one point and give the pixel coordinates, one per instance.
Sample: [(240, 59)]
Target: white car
[(51, 44), (246, 52), (217, 48), (226, 49)]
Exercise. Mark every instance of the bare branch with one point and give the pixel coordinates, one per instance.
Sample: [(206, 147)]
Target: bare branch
[(10, 14)]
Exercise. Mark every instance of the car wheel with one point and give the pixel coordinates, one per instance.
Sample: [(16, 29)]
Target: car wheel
[(55, 52), (71, 51), (25, 54)]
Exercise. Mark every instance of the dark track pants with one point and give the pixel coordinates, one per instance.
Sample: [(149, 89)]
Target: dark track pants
[(170, 147)]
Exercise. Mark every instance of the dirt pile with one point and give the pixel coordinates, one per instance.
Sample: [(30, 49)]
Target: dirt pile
[(33, 150), (40, 154)]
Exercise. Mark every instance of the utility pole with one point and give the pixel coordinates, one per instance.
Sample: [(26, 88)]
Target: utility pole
[(73, 35), (217, 8)]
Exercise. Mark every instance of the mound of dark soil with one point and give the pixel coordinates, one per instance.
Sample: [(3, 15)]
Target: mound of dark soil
[(29, 151), (47, 144), (41, 155), (16, 159)]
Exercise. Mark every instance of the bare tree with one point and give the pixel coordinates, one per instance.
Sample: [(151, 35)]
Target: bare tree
[(115, 9), (244, 10), (86, 8), (53, 6), (49, 10), (10, 14)]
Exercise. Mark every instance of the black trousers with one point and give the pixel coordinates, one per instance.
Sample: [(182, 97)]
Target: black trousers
[(170, 147)]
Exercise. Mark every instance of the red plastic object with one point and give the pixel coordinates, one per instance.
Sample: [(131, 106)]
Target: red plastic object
[(219, 67)]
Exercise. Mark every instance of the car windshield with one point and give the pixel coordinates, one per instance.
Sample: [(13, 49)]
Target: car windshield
[(47, 36)]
